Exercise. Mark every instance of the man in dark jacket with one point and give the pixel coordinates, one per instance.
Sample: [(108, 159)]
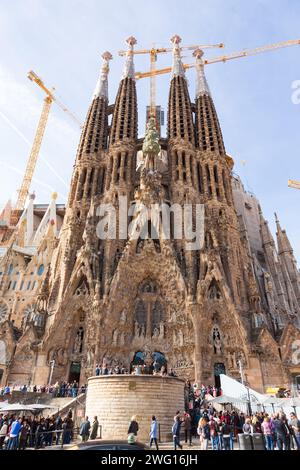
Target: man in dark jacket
[(58, 427), (280, 433), (188, 428), (85, 429), (176, 432)]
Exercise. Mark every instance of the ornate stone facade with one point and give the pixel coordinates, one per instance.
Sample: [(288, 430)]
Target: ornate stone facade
[(128, 298)]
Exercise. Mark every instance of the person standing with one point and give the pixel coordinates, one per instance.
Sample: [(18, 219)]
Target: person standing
[(247, 426), (203, 432), (267, 430), (58, 428), (176, 432), (24, 433), (3, 432), (213, 427), (225, 436), (95, 427), (14, 434), (133, 430), (187, 427), (85, 429), (154, 432), (280, 433), (97, 370), (295, 428)]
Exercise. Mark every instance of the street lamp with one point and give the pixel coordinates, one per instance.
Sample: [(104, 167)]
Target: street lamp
[(240, 364)]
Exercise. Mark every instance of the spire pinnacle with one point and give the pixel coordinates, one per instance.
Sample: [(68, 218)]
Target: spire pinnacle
[(202, 87), (101, 90), (177, 67), (277, 222), (129, 71)]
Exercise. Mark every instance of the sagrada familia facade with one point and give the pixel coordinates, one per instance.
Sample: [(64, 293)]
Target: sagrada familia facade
[(234, 301)]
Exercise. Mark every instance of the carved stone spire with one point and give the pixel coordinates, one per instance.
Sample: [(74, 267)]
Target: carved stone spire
[(202, 87), (177, 67), (128, 71), (283, 241), (101, 90)]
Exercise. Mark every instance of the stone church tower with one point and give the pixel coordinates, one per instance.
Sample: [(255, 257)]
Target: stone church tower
[(129, 298)]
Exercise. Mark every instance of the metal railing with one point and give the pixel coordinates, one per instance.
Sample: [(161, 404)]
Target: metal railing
[(40, 439)]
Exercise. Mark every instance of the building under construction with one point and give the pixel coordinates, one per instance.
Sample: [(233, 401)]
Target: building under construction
[(122, 301)]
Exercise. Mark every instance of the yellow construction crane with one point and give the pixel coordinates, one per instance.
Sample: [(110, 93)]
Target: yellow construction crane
[(294, 184), (36, 146), (153, 58), (225, 58)]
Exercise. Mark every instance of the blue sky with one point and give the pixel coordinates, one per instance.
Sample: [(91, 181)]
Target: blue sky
[(62, 41)]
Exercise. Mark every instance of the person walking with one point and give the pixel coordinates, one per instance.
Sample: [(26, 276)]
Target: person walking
[(154, 432), (133, 430), (95, 427), (176, 432), (85, 429)]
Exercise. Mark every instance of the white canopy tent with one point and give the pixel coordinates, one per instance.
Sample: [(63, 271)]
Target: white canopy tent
[(258, 401)]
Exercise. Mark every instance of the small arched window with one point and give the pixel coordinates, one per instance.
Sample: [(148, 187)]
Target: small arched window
[(40, 270)]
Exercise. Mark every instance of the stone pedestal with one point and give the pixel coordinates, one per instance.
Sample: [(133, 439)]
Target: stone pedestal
[(114, 399)]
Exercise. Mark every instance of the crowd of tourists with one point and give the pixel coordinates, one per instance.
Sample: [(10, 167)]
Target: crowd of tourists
[(63, 389), (19, 433), (220, 430), (155, 368)]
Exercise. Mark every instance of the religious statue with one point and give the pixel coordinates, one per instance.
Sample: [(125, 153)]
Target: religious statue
[(78, 342), (142, 331), (180, 338), (136, 329), (217, 341), (123, 317), (161, 330), (155, 332), (115, 337)]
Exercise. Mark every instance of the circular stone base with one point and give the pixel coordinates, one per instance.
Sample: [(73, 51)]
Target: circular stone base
[(114, 399)]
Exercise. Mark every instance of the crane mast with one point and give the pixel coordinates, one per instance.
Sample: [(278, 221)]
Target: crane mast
[(34, 153), (36, 146)]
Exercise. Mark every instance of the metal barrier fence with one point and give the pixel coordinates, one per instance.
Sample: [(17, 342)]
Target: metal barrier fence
[(42, 439)]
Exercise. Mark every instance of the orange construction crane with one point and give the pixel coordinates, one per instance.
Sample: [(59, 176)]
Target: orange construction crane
[(153, 72), (294, 184), (225, 58), (35, 150)]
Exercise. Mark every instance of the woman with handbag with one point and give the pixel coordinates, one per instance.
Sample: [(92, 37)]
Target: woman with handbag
[(133, 430)]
